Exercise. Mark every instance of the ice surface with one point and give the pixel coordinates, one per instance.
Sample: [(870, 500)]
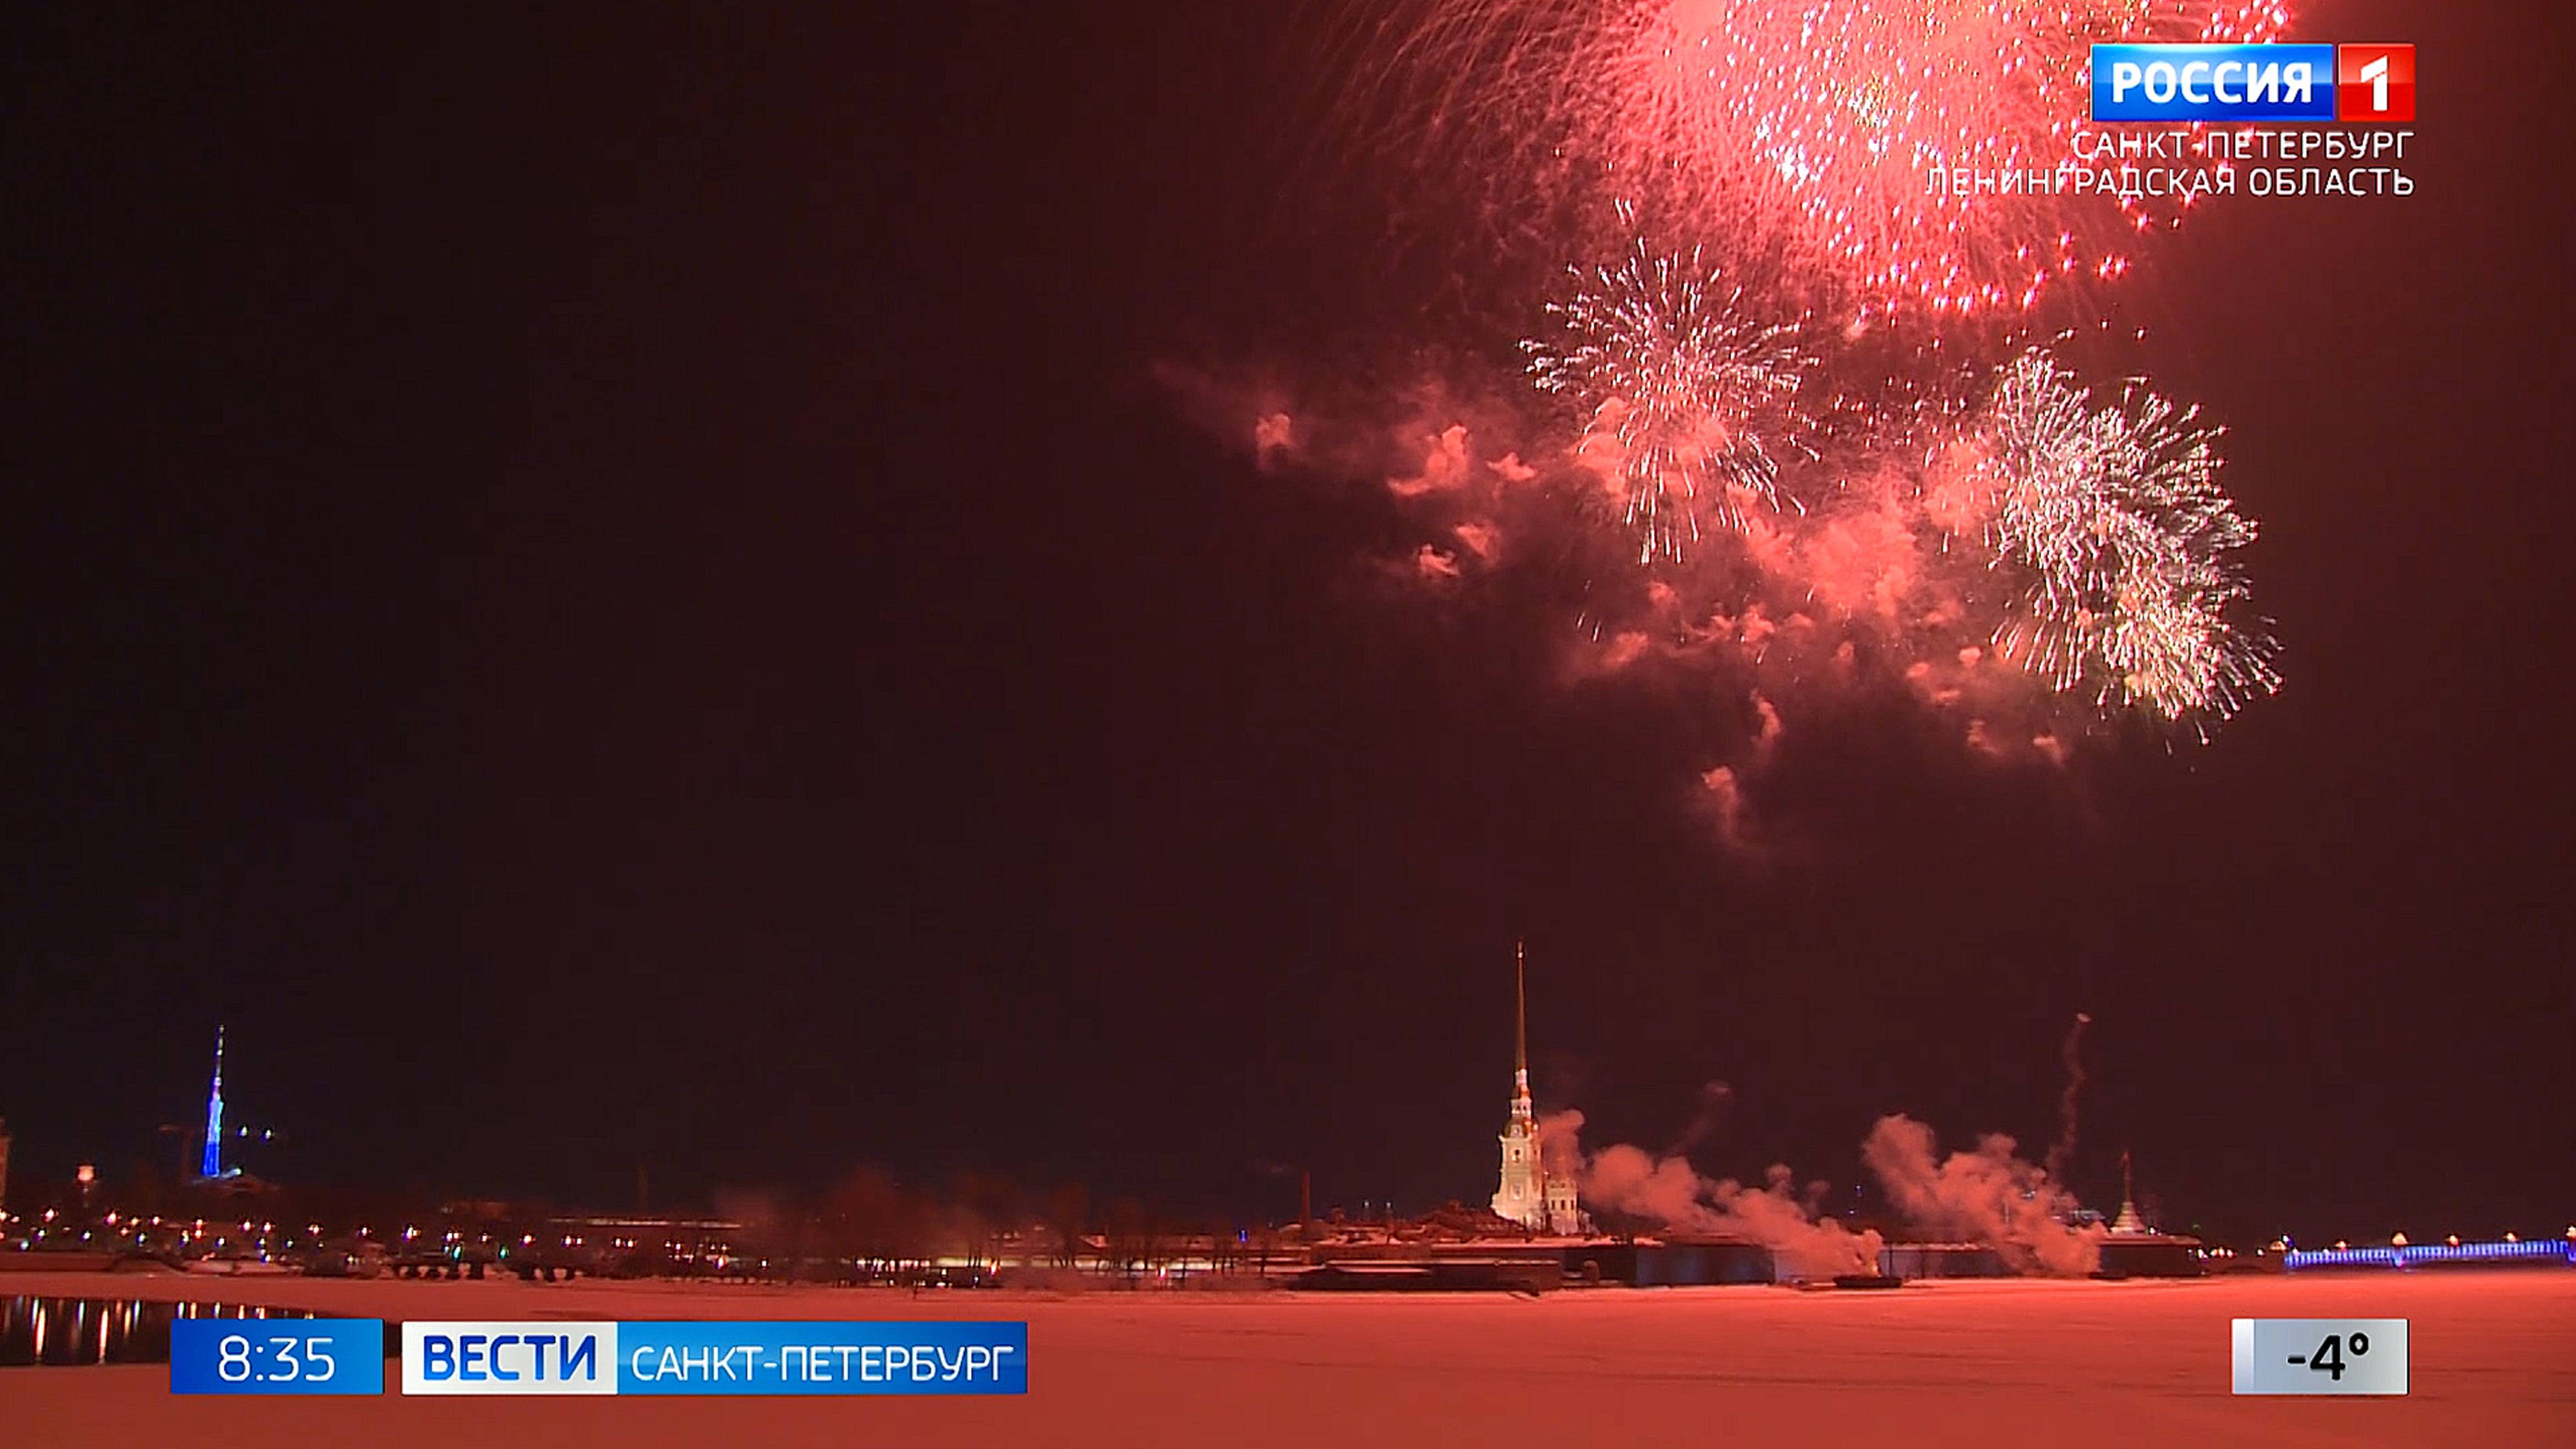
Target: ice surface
[(1962, 1363)]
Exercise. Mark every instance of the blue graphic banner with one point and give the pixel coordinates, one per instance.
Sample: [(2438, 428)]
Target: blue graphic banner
[(822, 1358), (277, 1356), (2220, 83)]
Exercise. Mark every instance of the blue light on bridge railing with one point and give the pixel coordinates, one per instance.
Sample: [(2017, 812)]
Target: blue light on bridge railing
[(2413, 1254)]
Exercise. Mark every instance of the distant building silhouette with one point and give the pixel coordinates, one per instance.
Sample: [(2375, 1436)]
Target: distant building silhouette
[(212, 1165)]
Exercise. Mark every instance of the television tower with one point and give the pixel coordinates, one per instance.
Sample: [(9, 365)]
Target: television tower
[(213, 1165)]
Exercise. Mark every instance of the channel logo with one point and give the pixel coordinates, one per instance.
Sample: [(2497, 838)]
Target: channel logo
[(2316, 84), (2375, 82), (509, 1358), (708, 1357)]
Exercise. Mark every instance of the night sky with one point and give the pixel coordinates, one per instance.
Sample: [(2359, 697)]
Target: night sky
[(622, 591)]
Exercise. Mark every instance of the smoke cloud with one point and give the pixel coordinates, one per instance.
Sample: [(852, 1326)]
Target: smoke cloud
[(1988, 1196), (2063, 1149), (1714, 1100), (1668, 1192), (1725, 800), (1865, 595)]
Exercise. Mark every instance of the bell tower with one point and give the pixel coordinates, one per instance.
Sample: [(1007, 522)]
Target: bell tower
[(1521, 1196)]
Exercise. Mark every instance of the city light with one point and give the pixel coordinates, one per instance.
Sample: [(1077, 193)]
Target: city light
[(2508, 1250)]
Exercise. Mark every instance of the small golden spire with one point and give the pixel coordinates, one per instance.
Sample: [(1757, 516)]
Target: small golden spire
[(1520, 1006)]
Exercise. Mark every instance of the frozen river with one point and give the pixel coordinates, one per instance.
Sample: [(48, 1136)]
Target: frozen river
[(1960, 1363)]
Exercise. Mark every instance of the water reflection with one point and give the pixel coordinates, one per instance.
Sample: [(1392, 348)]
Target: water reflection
[(72, 1331)]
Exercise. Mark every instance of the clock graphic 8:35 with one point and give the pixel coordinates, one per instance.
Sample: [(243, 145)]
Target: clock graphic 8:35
[(277, 1356)]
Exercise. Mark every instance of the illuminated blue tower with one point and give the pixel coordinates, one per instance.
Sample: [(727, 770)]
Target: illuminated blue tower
[(213, 1166)]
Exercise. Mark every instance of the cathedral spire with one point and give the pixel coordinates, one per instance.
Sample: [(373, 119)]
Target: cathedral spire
[(2128, 1221), (1520, 1011), (1521, 1195), (1528, 1193)]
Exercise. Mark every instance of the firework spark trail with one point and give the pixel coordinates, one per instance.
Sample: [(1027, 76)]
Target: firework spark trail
[(1802, 132), (1821, 124), (1689, 401), (2117, 513), (1810, 481)]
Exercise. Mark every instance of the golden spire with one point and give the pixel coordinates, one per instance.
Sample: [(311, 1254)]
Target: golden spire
[(1520, 1008)]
